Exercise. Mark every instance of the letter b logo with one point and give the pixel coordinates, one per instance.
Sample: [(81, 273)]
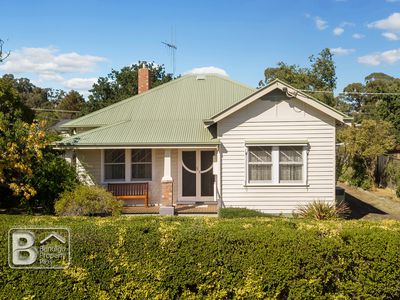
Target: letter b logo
[(23, 251)]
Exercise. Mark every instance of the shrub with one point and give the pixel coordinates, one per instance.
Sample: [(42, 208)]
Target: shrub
[(362, 145), (322, 210), (234, 212), (51, 177), (355, 174), (392, 172), (211, 258), (87, 201)]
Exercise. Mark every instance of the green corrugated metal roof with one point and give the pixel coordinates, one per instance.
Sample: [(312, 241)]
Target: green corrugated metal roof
[(172, 113)]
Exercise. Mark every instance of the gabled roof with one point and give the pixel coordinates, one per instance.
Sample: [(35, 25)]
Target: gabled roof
[(172, 113), (286, 88)]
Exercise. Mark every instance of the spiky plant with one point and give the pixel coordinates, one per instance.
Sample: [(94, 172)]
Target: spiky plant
[(322, 210)]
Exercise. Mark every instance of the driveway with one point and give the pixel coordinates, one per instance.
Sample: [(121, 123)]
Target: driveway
[(371, 205)]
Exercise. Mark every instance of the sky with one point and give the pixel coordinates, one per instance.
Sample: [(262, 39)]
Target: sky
[(69, 44)]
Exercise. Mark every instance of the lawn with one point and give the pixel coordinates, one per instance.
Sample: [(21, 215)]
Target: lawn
[(214, 258)]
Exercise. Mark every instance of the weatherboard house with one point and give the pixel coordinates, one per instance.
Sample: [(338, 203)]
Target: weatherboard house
[(208, 141)]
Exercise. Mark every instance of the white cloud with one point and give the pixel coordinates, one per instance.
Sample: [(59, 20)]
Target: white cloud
[(208, 70), (80, 84), (390, 36), (48, 62), (320, 23), (358, 36), (392, 1), (342, 51), (375, 59), (391, 23), (50, 76), (338, 31), (345, 23)]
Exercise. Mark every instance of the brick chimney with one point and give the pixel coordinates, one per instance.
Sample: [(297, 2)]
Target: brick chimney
[(143, 80)]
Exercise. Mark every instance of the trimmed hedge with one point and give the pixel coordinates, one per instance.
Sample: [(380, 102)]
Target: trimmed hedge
[(235, 212), (192, 258)]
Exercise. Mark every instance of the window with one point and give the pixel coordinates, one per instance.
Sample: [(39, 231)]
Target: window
[(260, 164), (141, 164), (291, 164), (276, 164), (114, 164)]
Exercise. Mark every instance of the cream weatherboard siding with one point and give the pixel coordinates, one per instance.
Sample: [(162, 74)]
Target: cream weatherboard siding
[(88, 166), (277, 117)]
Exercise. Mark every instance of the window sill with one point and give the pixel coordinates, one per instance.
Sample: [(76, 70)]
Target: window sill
[(276, 185)]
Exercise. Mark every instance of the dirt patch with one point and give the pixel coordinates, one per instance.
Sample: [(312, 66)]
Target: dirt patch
[(372, 205)]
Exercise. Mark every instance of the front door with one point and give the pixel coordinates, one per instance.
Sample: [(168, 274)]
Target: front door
[(196, 173)]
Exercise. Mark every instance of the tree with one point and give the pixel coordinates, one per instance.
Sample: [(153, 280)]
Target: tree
[(122, 84), (378, 105), (321, 76), (34, 96), (361, 147), (323, 70), (377, 76), (34, 172), (11, 105), (21, 146), (72, 101), (31, 173)]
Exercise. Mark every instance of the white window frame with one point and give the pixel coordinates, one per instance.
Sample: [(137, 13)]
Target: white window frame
[(248, 163), (291, 164), (128, 167), (276, 164)]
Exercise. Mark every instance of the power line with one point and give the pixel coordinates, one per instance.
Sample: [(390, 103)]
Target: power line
[(56, 110), (351, 93)]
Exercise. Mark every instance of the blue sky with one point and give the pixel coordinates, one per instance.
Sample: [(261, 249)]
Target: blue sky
[(68, 44)]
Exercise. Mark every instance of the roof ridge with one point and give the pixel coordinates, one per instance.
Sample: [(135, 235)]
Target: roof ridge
[(229, 80), (116, 104)]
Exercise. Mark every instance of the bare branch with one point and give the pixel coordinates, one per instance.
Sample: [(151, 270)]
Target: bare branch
[(3, 55)]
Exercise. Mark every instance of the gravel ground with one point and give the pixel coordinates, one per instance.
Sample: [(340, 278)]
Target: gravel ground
[(372, 205)]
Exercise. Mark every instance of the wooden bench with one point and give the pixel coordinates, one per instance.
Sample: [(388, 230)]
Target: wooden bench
[(127, 191)]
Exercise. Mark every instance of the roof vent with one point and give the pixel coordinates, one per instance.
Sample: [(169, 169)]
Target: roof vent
[(201, 77)]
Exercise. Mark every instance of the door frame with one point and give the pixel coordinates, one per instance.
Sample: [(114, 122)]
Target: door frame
[(198, 197)]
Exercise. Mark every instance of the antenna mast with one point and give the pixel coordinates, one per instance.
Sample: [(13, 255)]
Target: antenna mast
[(172, 48)]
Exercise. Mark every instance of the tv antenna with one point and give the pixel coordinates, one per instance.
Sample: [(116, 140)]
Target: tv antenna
[(172, 48)]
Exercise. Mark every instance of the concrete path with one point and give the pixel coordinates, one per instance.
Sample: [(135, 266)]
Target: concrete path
[(371, 205)]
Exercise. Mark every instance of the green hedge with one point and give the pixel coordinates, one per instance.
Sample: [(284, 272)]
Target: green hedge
[(234, 212), (191, 258)]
